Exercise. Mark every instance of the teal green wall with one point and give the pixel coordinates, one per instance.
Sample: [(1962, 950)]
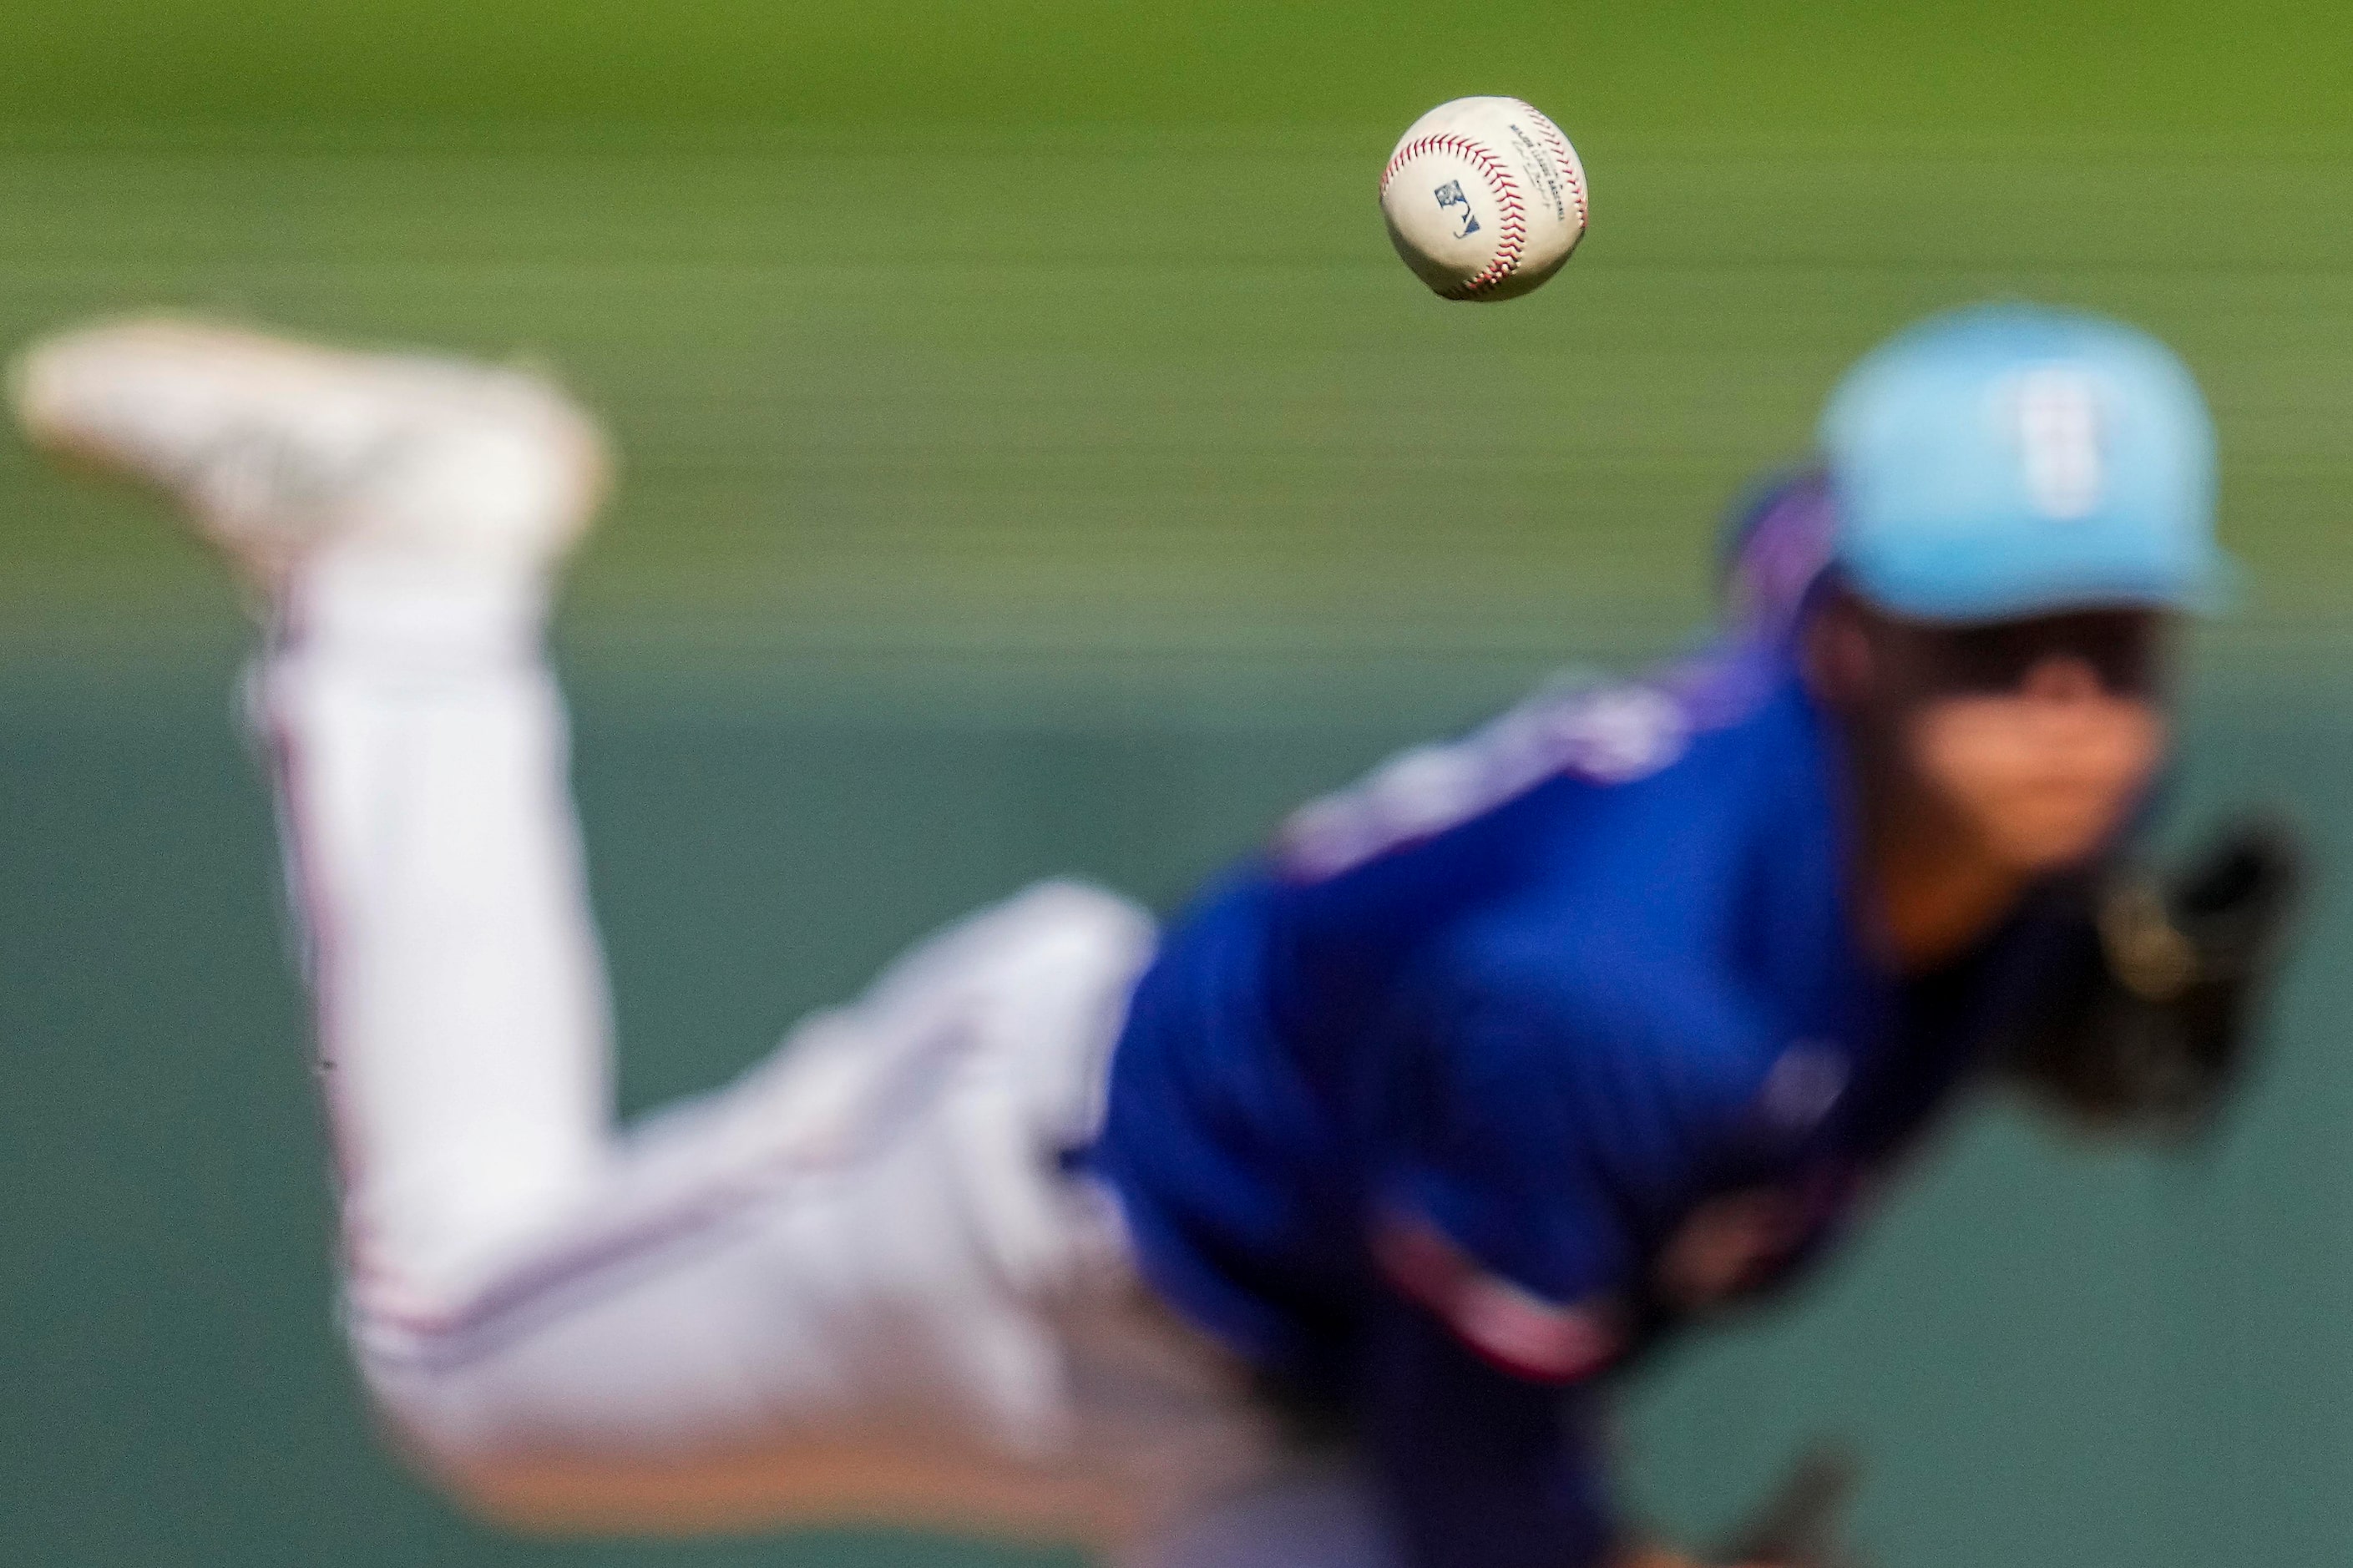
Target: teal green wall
[(1035, 460)]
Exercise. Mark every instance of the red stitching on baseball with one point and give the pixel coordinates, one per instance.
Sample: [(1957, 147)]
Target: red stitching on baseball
[(1562, 151), (1515, 223)]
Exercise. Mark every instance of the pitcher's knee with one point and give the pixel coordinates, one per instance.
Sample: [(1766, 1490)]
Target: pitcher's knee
[(463, 1429), (439, 1413)]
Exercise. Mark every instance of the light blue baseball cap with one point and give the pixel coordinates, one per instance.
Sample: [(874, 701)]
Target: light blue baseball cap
[(2011, 460)]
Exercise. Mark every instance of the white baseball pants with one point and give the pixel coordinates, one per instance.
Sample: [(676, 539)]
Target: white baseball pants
[(853, 1284)]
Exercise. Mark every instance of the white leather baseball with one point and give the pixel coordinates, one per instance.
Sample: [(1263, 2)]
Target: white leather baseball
[(1485, 198)]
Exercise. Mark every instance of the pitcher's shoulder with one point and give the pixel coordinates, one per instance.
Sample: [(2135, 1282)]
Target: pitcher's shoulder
[(1592, 734)]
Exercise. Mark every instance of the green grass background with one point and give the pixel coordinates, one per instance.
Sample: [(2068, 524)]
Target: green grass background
[(1033, 459)]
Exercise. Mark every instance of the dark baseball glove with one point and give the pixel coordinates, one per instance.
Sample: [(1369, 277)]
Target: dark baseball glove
[(2146, 1025)]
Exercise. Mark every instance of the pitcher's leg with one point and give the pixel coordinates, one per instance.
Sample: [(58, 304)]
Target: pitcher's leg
[(828, 1290), (842, 1289), (434, 861), (399, 516)]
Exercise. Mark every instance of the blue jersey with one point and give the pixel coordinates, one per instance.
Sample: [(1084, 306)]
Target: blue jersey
[(1510, 1057)]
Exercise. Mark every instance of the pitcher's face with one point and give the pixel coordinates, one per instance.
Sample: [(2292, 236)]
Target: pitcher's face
[(2037, 737)]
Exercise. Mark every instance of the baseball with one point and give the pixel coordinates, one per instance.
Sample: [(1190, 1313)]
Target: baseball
[(1485, 198)]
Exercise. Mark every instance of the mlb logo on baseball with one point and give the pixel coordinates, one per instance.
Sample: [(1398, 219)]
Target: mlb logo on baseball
[(1450, 194)]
